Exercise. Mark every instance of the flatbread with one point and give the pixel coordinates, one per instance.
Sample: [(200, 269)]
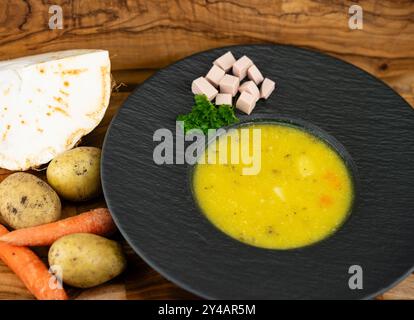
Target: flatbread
[(48, 102)]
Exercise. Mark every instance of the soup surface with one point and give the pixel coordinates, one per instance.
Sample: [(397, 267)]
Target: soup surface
[(301, 195)]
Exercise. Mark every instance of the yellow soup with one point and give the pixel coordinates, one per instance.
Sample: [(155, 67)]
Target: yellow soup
[(301, 195)]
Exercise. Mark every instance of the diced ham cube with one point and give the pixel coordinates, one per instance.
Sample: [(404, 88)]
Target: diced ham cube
[(267, 88), (241, 66), (215, 75), (224, 98), (229, 84), (202, 86), (251, 88), (246, 102), (225, 62), (254, 74)]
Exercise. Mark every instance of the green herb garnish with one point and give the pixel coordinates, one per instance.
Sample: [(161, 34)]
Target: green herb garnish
[(205, 115)]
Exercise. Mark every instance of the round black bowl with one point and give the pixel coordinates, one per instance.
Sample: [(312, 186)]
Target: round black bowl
[(155, 211)]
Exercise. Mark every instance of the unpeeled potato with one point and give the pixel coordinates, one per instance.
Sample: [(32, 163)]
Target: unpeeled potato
[(75, 174), (2, 221), (27, 201), (86, 260)]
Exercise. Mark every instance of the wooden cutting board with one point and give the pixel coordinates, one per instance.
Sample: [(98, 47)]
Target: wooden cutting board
[(143, 36)]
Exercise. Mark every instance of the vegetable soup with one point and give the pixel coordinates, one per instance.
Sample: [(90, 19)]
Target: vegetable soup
[(302, 194)]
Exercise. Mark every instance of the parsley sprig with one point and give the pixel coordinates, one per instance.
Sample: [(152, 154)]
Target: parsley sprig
[(205, 115)]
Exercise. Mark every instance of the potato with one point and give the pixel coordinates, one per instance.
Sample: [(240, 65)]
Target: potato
[(2, 221), (75, 174), (27, 201), (87, 260)]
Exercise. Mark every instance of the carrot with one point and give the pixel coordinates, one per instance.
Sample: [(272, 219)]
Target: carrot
[(325, 201), (333, 180), (97, 221), (31, 270)]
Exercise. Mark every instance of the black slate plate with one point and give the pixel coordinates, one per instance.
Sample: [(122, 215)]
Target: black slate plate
[(154, 209)]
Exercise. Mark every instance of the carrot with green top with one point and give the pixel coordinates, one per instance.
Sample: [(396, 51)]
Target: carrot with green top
[(97, 221), (31, 270)]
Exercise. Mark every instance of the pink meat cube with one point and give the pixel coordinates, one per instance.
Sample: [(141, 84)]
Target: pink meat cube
[(202, 86), (267, 88), (225, 62), (229, 84), (241, 66), (215, 75), (224, 98), (251, 88), (254, 74), (246, 102)]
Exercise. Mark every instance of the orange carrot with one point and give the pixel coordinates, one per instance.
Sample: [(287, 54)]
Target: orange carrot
[(325, 201), (31, 270), (333, 180), (97, 221)]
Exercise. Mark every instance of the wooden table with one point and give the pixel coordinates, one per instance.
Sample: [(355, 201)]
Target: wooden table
[(143, 36)]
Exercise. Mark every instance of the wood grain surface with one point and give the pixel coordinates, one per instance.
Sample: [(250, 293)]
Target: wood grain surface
[(143, 36)]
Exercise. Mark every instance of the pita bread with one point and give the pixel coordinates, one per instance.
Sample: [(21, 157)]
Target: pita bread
[(48, 102)]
